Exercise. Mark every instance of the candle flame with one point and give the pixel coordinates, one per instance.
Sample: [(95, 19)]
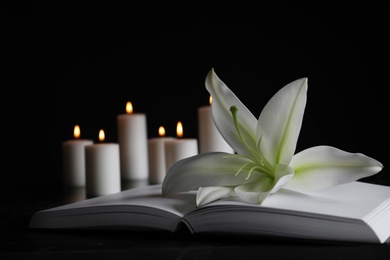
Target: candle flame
[(161, 131), (210, 100), (129, 107), (76, 132), (179, 129), (101, 135)]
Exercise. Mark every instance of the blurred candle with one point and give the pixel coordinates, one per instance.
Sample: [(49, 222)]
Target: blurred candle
[(133, 145), (156, 150), (102, 168), (179, 148), (210, 140), (73, 157)]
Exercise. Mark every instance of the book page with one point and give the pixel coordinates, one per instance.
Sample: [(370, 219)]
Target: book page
[(350, 212), (352, 200), (148, 196), (138, 208), (338, 213)]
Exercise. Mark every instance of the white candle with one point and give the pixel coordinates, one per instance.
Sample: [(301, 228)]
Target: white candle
[(102, 168), (210, 140), (179, 148), (156, 150), (133, 145), (73, 157)]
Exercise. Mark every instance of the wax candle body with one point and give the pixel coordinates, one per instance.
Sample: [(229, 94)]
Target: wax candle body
[(210, 140), (73, 157), (156, 151), (102, 169), (178, 149), (132, 138)]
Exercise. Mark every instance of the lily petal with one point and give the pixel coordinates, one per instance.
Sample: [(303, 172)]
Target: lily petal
[(223, 100), (210, 194), (206, 169), (283, 175), (324, 166), (256, 192), (280, 122)]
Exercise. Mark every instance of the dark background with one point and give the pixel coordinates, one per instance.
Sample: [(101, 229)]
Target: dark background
[(67, 63), (79, 62)]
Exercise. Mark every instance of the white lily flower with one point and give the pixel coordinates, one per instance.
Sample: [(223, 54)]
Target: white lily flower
[(265, 159)]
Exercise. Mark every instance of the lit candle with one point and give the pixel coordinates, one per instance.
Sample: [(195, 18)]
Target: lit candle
[(133, 145), (156, 150), (179, 148), (73, 157), (210, 140), (102, 168)]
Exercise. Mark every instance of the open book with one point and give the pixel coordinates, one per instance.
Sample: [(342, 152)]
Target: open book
[(353, 212)]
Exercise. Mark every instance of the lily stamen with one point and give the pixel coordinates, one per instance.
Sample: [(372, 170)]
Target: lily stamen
[(251, 170), (242, 167)]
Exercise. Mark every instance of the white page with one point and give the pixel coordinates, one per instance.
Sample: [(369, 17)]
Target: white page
[(337, 213), (149, 196), (351, 200), (358, 201)]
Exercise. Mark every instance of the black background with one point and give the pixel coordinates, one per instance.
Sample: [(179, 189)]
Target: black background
[(67, 63)]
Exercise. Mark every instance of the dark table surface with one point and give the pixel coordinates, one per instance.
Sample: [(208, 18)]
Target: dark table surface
[(20, 242)]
